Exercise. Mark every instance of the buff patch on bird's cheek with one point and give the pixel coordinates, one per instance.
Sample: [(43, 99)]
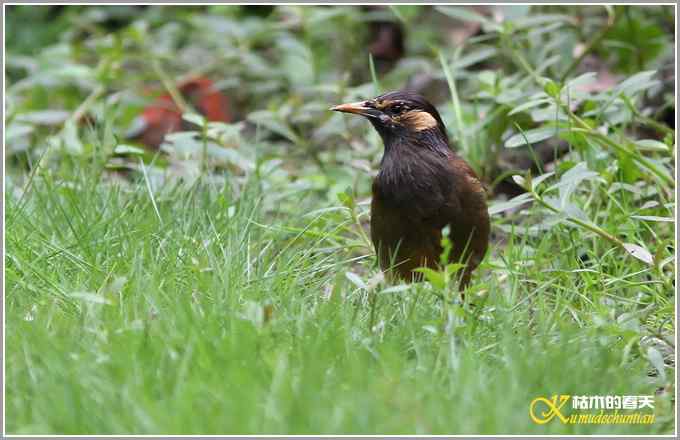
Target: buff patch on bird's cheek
[(382, 105), (418, 120)]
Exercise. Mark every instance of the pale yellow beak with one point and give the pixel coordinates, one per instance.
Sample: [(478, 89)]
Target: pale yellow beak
[(358, 108)]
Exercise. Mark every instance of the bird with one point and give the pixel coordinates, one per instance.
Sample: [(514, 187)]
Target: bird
[(163, 116), (422, 186)]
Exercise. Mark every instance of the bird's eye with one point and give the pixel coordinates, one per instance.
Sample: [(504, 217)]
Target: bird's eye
[(398, 108)]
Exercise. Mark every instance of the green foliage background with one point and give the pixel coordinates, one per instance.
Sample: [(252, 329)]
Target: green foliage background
[(227, 285)]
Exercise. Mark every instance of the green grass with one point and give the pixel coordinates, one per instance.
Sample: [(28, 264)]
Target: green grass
[(205, 322), (227, 285)]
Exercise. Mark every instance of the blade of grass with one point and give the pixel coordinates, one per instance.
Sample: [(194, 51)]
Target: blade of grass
[(458, 113), (374, 76), (150, 191)]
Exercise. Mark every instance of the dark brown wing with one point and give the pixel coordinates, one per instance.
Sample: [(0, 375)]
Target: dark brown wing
[(467, 216)]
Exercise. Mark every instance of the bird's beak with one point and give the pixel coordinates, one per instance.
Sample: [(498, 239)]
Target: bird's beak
[(358, 108)]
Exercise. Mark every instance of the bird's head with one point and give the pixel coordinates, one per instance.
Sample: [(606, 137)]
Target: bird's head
[(400, 115)]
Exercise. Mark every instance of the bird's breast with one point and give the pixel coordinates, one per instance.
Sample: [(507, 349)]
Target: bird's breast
[(413, 183)]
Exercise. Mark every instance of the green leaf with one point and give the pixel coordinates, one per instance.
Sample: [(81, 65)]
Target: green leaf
[(579, 81), (635, 41), (514, 12), (70, 140), (17, 130), (574, 211), (453, 268), (487, 77), (539, 19), (636, 83), (651, 145), (231, 156), (529, 104), (656, 359), (466, 14), (474, 57), (551, 89), (519, 180), (659, 166), (571, 179), (397, 289), (653, 218), (128, 149), (498, 207), (194, 118), (73, 71), (356, 280), (531, 136), (346, 199), (44, 117), (537, 180), (639, 252), (435, 278), (550, 113), (269, 120)]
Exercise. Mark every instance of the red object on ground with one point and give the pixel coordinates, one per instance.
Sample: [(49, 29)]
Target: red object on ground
[(164, 116)]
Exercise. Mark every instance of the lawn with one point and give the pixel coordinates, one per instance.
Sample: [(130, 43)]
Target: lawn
[(225, 284)]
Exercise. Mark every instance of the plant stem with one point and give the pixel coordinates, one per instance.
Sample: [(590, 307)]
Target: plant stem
[(362, 233), (590, 45), (589, 226), (170, 87)]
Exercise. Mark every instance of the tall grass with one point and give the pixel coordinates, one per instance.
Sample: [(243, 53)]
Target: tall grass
[(214, 321), (228, 286)]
